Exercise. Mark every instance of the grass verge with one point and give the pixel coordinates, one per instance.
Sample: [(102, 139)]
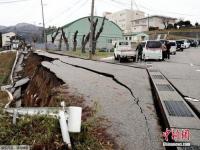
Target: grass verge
[(78, 53), (6, 63), (44, 132)]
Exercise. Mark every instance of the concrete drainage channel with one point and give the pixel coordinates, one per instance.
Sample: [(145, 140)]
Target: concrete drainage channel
[(176, 114)]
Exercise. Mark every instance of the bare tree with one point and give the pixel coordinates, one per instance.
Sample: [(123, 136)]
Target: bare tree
[(60, 42), (75, 40), (82, 43), (65, 39), (97, 36), (85, 40), (53, 36)]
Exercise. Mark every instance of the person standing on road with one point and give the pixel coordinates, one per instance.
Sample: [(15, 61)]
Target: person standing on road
[(139, 49), (164, 49), (168, 47)]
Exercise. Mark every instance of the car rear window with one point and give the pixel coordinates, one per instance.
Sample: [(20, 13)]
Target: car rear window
[(172, 43), (163, 41), (179, 42), (154, 44), (123, 43)]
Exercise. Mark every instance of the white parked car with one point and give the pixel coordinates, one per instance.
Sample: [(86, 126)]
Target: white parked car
[(173, 46), (186, 44), (152, 50), (123, 49)]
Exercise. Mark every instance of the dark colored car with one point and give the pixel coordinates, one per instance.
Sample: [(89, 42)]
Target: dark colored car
[(193, 43), (179, 44), (163, 41)]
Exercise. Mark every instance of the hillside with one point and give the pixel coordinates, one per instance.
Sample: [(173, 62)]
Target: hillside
[(27, 31)]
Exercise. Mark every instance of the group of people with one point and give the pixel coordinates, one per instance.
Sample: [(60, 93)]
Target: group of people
[(165, 51)]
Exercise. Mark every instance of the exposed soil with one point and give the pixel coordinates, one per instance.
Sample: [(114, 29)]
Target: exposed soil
[(46, 90), (42, 81)]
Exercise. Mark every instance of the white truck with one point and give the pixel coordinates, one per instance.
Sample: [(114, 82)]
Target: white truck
[(123, 49)]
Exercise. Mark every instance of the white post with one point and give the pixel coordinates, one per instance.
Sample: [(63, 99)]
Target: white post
[(15, 116), (64, 128), (74, 119)]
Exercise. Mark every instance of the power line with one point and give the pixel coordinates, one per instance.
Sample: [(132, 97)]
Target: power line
[(61, 13), (69, 12), (148, 8), (13, 1)]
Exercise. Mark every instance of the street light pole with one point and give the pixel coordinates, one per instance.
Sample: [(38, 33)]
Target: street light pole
[(91, 30), (44, 31)]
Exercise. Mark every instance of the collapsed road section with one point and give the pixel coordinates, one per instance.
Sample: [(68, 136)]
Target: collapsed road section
[(117, 90)]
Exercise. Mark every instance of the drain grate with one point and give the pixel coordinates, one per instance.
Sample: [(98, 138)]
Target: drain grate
[(153, 70), (178, 109), (157, 77), (164, 87)]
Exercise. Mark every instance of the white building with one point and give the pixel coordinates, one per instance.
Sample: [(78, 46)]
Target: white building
[(123, 18), (136, 37), (6, 39), (159, 22)]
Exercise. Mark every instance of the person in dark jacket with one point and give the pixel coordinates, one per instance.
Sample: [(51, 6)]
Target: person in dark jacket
[(140, 50), (168, 47), (164, 49)]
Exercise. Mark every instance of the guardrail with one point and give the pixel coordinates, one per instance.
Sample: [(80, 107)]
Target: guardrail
[(69, 118)]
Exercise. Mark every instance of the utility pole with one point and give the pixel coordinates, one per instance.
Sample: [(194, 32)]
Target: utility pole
[(131, 4), (91, 30), (44, 31), (148, 21)]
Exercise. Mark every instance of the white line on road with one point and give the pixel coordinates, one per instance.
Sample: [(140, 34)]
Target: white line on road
[(198, 70)]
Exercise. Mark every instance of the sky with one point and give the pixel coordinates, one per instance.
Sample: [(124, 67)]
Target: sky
[(61, 12)]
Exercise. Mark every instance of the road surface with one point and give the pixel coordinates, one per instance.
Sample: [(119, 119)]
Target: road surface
[(123, 94)]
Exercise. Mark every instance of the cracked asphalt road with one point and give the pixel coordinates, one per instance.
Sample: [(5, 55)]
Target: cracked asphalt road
[(134, 125)]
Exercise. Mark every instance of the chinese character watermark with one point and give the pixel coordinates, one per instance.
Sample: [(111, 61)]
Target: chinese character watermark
[(176, 135)]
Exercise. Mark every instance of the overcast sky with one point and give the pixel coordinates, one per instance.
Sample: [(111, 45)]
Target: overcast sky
[(61, 12)]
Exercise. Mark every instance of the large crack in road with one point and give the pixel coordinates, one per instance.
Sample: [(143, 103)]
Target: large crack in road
[(144, 104), (135, 99)]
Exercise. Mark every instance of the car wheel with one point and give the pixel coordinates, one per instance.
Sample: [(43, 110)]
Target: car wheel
[(115, 57), (134, 59), (120, 59)]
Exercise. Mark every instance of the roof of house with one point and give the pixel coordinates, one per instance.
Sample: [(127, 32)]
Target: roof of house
[(136, 34), (156, 16)]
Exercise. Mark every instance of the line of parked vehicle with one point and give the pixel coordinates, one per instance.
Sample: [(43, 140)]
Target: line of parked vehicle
[(152, 49)]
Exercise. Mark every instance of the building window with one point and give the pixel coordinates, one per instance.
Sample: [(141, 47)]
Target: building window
[(130, 38), (109, 40), (126, 38)]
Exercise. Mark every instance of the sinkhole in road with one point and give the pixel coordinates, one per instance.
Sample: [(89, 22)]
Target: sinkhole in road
[(39, 90)]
